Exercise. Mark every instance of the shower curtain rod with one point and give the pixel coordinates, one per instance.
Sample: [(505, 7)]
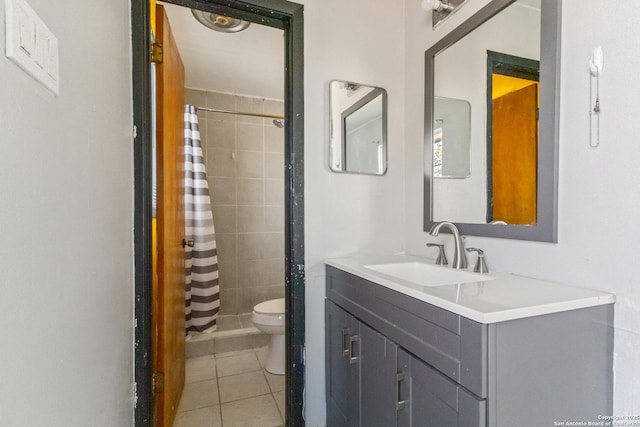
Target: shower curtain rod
[(214, 110)]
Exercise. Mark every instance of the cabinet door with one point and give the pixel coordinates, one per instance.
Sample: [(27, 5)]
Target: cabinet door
[(343, 387), (378, 387), (432, 400)]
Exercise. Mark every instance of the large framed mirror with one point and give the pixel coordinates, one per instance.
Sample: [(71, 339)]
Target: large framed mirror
[(358, 128), (504, 63)]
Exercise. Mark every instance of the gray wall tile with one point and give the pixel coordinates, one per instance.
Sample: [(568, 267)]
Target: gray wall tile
[(273, 139), (195, 97), (221, 162), (228, 301), (250, 137), (250, 273), (273, 107), (274, 165), (273, 218), (250, 164), (250, 191), (273, 246), (220, 134), (222, 191), (225, 219), (251, 219), (250, 105), (228, 274), (221, 101), (226, 246), (274, 271), (274, 192), (250, 246), (245, 164)]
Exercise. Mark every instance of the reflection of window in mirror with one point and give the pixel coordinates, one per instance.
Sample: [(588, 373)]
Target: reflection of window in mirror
[(512, 135), (437, 149)]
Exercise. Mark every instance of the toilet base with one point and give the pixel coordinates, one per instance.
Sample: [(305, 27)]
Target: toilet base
[(276, 360)]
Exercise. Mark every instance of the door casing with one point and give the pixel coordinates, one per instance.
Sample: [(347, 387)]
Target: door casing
[(280, 14)]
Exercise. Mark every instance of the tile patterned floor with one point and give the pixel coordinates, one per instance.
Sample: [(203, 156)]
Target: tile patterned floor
[(231, 390)]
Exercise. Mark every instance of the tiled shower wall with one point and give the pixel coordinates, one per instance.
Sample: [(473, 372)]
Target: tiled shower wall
[(245, 169)]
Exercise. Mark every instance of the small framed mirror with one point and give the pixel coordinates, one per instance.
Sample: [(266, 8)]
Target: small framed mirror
[(358, 128), (451, 138)]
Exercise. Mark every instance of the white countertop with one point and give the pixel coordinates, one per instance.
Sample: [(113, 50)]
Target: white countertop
[(505, 297)]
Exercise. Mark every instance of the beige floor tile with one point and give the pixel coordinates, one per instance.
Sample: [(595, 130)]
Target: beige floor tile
[(234, 353), (203, 417), (276, 382), (242, 386), (200, 369), (199, 395), (259, 411), (280, 401), (262, 355), (238, 364)]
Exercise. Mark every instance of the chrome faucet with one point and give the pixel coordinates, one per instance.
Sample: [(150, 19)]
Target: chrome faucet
[(459, 254)]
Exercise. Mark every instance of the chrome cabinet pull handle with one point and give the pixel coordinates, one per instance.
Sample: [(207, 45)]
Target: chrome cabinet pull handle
[(346, 349), (400, 404), (352, 359)]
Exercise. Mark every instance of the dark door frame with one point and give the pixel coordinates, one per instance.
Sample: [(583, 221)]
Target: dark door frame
[(281, 14)]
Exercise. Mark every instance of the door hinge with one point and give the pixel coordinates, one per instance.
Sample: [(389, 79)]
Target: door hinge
[(157, 384), (156, 53)]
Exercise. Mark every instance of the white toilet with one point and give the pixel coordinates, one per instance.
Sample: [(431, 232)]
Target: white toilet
[(269, 317)]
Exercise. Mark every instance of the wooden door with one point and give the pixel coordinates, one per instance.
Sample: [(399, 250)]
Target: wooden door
[(169, 298), (514, 156)]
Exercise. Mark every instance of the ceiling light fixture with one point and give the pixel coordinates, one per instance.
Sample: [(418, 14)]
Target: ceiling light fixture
[(224, 24)]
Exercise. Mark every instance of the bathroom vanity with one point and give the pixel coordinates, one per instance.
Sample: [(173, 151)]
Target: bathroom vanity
[(409, 343)]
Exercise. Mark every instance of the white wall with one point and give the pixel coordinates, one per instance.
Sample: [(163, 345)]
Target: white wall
[(599, 191), (359, 41), (66, 226)]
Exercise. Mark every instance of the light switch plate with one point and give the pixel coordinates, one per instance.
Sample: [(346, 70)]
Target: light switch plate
[(31, 44)]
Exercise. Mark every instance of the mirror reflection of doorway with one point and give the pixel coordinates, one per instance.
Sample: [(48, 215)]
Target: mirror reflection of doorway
[(512, 138)]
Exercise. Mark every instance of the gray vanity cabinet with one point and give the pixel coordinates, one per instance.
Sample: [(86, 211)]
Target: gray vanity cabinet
[(343, 388), (363, 365), (373, 382), (431, 399), (393, 360)]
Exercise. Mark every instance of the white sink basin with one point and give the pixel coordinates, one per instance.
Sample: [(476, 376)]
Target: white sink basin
[(427, 274)]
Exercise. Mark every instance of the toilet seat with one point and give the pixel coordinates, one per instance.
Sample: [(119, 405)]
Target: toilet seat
[(271, 307)]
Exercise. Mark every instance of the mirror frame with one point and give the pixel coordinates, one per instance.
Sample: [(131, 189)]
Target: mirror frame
[(546, 227)]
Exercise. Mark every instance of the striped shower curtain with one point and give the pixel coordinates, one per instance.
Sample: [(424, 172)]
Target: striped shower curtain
[(202, 299)]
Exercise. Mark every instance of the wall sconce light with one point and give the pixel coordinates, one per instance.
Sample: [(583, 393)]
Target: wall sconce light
[(441, 9), (437, 5)]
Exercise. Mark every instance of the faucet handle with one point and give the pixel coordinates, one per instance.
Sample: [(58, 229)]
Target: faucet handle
[(481, 266), (442, 258)]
